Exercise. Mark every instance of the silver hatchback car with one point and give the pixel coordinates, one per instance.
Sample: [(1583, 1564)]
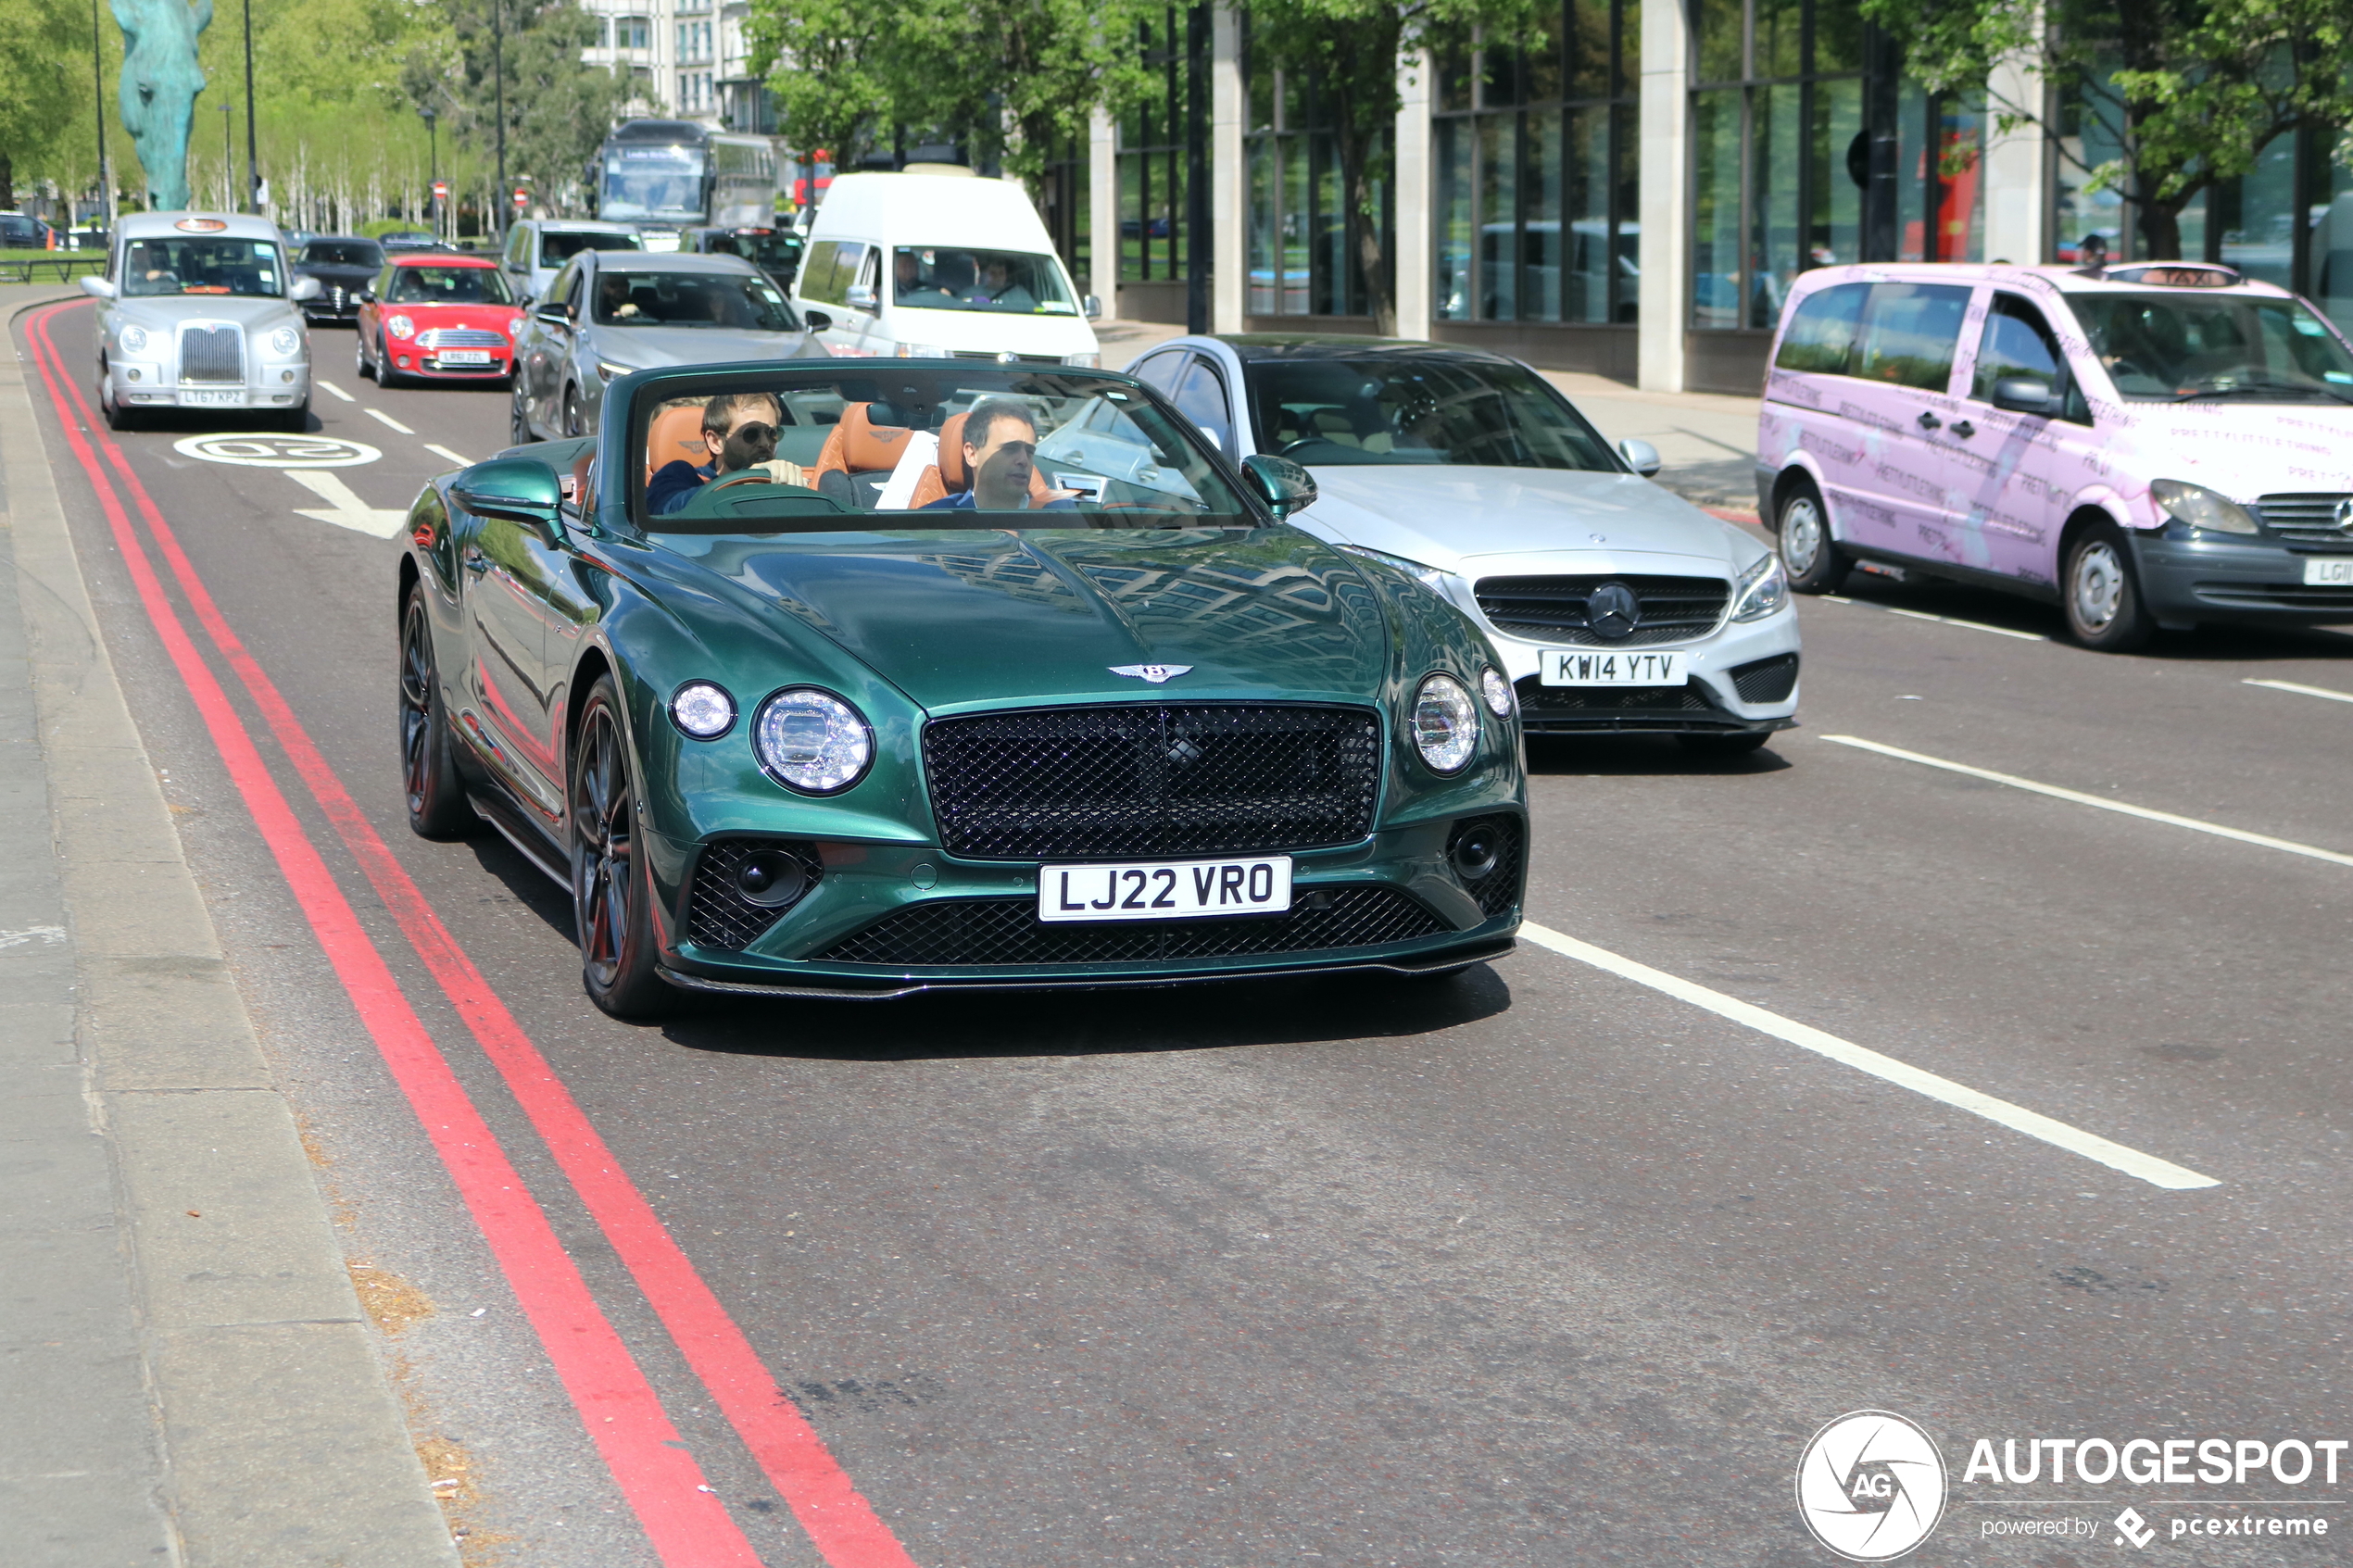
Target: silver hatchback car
[(199, 310)]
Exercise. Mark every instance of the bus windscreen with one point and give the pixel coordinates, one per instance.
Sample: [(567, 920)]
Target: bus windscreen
[(652, 183)]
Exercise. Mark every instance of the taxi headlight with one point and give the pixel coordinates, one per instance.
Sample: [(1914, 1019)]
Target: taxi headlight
[(133, 339), (399, 326), (2201, 507), (285, 339), (1763, 589), (812, 741), (1445, 725)]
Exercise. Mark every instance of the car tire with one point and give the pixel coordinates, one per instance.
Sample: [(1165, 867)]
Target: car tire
[(118, 417), (297, 421), (519, 432), (361, 369), (1723, 746), (386, 374), (573, 424), (2100, 593), (1802, 532), (611, 880), (436, 797)]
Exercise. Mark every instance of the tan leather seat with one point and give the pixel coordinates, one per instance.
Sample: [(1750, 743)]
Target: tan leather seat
[(675, 434), (948, 477)]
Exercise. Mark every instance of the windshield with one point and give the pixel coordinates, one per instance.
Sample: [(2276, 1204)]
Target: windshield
[(2171, 348), (652, 183), (343, 253), (920, 449), (1424, 410), (206, 265), (691, 299), (554, 249), (769, 252), (448, 285), (1006, 283)]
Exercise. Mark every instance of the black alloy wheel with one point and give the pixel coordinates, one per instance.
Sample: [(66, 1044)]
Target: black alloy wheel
[(572, 425), (519, 433), (437, 806), (611, 883), (361, 369)]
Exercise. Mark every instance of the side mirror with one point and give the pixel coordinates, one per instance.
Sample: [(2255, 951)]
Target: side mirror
[(97, 288), (818, 321), (555, 313), (367, 297), (2022, 395), (1284, 484), (522, 489), (304, 288), (1640, 456), (859, 297), (1093, 307)]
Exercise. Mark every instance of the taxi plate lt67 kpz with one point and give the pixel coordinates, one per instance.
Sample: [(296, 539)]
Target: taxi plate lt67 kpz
[(1164, 889), (1611, 667)]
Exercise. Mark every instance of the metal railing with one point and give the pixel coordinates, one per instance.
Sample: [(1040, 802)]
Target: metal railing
[(41, 269)]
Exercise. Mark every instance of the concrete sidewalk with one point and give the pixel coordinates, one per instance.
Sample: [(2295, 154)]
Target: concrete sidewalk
[(187, 1375)]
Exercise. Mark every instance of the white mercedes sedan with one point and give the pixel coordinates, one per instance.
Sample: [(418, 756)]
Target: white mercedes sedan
[(1613, 604)]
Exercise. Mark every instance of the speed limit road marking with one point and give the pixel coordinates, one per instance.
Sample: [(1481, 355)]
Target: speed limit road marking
[(247, 449)]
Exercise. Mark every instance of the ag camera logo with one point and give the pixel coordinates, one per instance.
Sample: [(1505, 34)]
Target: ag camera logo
[(1870, 1486)]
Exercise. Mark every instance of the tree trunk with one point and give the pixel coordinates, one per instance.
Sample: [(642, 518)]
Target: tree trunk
[(7, 181), (1360, 71), (2160, 231)]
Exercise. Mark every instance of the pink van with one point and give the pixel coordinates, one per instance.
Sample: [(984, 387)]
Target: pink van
[(2148, 445)]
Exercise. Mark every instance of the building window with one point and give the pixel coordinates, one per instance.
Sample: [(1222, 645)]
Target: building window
[(1151, 160), (1302, 246), (1534, 155), (633, 32)]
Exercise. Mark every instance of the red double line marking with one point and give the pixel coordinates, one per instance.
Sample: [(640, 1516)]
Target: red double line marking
[(840, 1523)]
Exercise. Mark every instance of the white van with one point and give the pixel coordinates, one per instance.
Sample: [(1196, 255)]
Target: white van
[(939, 265)]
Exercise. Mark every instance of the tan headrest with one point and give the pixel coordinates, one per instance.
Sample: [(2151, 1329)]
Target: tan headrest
[(675, 434)]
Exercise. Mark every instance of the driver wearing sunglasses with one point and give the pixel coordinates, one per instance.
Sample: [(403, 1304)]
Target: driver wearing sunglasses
[(739, 429)]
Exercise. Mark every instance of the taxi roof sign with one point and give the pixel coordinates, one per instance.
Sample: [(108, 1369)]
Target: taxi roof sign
[(201, 225)]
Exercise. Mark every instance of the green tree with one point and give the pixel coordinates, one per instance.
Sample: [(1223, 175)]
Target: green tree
[(2189, 91), (558, 108), (41, 42), (816, 56)]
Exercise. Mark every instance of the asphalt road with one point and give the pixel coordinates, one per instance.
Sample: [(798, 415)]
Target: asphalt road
[(1545, 1266)]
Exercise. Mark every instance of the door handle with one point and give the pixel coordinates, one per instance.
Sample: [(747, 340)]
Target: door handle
[(1963, 429), (1930, 422)]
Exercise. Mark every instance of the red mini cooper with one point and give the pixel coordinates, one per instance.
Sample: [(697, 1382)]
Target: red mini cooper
[(438, 316)]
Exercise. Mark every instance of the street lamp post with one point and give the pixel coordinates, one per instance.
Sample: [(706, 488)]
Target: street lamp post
[(98, 74), (432, 160), (253, 159), (228, 163), (498, 75)]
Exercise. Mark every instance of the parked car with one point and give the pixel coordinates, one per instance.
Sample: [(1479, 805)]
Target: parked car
[(939, 265), (19, 232), (2149, 446), (611, 312), (345, 265), (790, 741), (538, 248), (775, 251), (437, 316), (1614, 605), (199, 310)]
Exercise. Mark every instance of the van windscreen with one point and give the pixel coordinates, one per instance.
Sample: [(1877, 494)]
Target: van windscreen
[(1002, 283)]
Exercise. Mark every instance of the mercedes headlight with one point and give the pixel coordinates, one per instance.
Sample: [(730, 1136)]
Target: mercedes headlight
[(133, 339), (1427, 576), (702, 710), (1496, 691), (2201, 507), (611, 372), (1445, 725), (399, 326), (285, 341), (1763, 589), (812, 741)]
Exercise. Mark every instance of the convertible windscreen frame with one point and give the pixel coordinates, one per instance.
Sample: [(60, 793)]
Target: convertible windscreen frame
[(1176, 480)]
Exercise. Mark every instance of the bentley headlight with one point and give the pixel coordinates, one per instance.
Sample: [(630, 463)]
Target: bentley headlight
[(2201, 507), (1763, 589), (1427, 576), (1496, 691), (812, 741), (702, 710), (285, 341), (400, 326), (1445, 725), (134, 339)]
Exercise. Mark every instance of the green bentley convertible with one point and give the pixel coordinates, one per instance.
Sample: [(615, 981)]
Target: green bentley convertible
[(861, 678)]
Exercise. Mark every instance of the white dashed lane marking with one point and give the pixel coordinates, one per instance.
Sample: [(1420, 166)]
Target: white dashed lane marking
[(1965, 626), (331, 389), (2033, 1123), (439, 451), (387, 418), (2286, 846), (2301, 690)]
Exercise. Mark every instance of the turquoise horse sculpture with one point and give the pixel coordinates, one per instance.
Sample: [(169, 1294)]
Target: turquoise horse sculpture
[(160, 81)]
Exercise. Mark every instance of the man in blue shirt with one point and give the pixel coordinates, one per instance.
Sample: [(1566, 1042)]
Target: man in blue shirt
[(739, 429), (1000, 447)]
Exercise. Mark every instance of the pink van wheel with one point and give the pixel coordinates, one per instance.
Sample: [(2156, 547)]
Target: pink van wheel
[(2103, 598), (1812, 559)]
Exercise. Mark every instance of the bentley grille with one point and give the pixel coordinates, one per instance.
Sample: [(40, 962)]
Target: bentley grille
[(212, 354), (1668, 610), (1007, 930), (1152, 779)]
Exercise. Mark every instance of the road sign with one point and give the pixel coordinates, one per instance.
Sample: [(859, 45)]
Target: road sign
[(441, 190)]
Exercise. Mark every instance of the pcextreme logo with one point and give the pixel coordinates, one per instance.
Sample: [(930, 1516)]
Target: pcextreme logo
[(1870, 1486)]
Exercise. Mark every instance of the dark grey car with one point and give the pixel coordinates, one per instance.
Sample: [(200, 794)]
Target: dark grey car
[(344, 266), (610, 312)]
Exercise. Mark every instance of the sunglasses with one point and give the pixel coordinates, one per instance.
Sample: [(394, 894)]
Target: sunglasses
[(753, 430)]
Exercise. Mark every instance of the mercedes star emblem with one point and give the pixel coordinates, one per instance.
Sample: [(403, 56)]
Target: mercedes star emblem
[(1611, 612), (2345, 514), (1155, 673)]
